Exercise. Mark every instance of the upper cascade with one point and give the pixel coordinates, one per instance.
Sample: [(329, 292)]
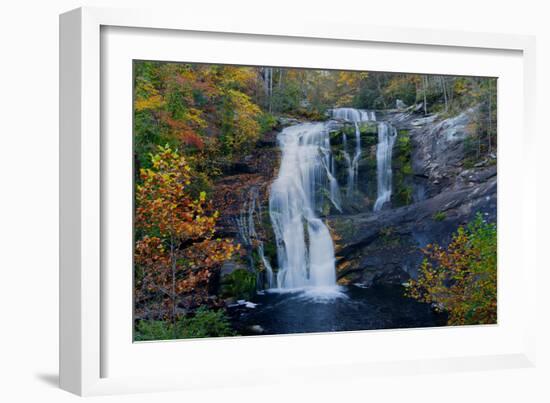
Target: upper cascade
[(352, 115), (355, 116), (386, 139)]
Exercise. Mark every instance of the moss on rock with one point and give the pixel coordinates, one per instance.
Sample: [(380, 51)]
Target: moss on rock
[(402, 170)]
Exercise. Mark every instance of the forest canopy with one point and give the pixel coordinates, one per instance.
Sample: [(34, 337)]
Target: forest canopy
[(215, 113)]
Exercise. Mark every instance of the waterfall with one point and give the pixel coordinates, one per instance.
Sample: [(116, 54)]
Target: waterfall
[(356, 116), (355, 161), (386, 139), (247, 232), (304, 246), (305, 251), (328, 165), (267, 265), (349, 167)]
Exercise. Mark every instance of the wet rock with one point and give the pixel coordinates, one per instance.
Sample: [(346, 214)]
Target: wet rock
[(230, 266), (384, 247), (256, 329), (284, 121)]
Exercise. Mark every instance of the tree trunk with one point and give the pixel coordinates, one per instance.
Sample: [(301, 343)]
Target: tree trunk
[(173, 290), (380, 90), (444, 88), (490, 129), (424, 85), (270, 89)]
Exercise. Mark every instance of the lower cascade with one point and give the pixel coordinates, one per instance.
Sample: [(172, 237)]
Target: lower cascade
[(386, 139), (252, 210), (305, 251)]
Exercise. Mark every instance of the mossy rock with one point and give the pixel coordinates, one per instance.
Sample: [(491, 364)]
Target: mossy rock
[(402, 170), (404, 196), (270, 252), (367, 163), (348, 129), (343, 228), (369, 140), (240, 284), (368, 128), (335, 137)]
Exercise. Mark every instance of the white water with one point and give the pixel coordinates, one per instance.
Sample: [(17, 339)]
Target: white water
[(386, 140), (304, 246), (267, 265), (327, 162), (305, 251), (355, 116), (247, 231)]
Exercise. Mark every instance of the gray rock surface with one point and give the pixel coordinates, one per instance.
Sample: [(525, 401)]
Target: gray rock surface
[(384, 247)]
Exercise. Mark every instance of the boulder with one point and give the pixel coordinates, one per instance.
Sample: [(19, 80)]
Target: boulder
[(400, 104)]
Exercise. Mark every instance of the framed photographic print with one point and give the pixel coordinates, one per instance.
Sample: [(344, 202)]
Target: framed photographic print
[(289, 199)]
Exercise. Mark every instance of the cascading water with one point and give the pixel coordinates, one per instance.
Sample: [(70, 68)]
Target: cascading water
[(328, 165), (305, 250), (349, 166), (386, 139), (247, 232), (355, 116), (304, 246)]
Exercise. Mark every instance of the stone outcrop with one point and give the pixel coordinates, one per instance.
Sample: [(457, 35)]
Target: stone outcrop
[(434, 192)]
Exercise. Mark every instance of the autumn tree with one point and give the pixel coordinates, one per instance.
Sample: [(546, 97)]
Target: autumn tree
[(207, 111), (462, 278), (176, 249)]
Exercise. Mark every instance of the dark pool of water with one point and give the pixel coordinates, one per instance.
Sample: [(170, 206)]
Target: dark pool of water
[(353, 308)]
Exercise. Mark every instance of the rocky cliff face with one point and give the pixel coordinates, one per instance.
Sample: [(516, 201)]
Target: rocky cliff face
[(242, 197), (435, 189)]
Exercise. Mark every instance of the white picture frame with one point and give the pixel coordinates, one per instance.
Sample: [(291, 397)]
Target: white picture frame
[(86, 345)]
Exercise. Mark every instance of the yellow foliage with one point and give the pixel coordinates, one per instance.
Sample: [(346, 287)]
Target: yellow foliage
[(152, 103), (461, 279), (246, 129)]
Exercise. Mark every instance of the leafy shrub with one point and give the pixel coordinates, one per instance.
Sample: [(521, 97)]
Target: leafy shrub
[(389, 236), (404, 142), (368, 128), (387, 231), (439, 216), (471, 148), (239, 284), (469, 163), (267, 122), (154, 330), (404, 196), (461, 279), (204, 323)]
